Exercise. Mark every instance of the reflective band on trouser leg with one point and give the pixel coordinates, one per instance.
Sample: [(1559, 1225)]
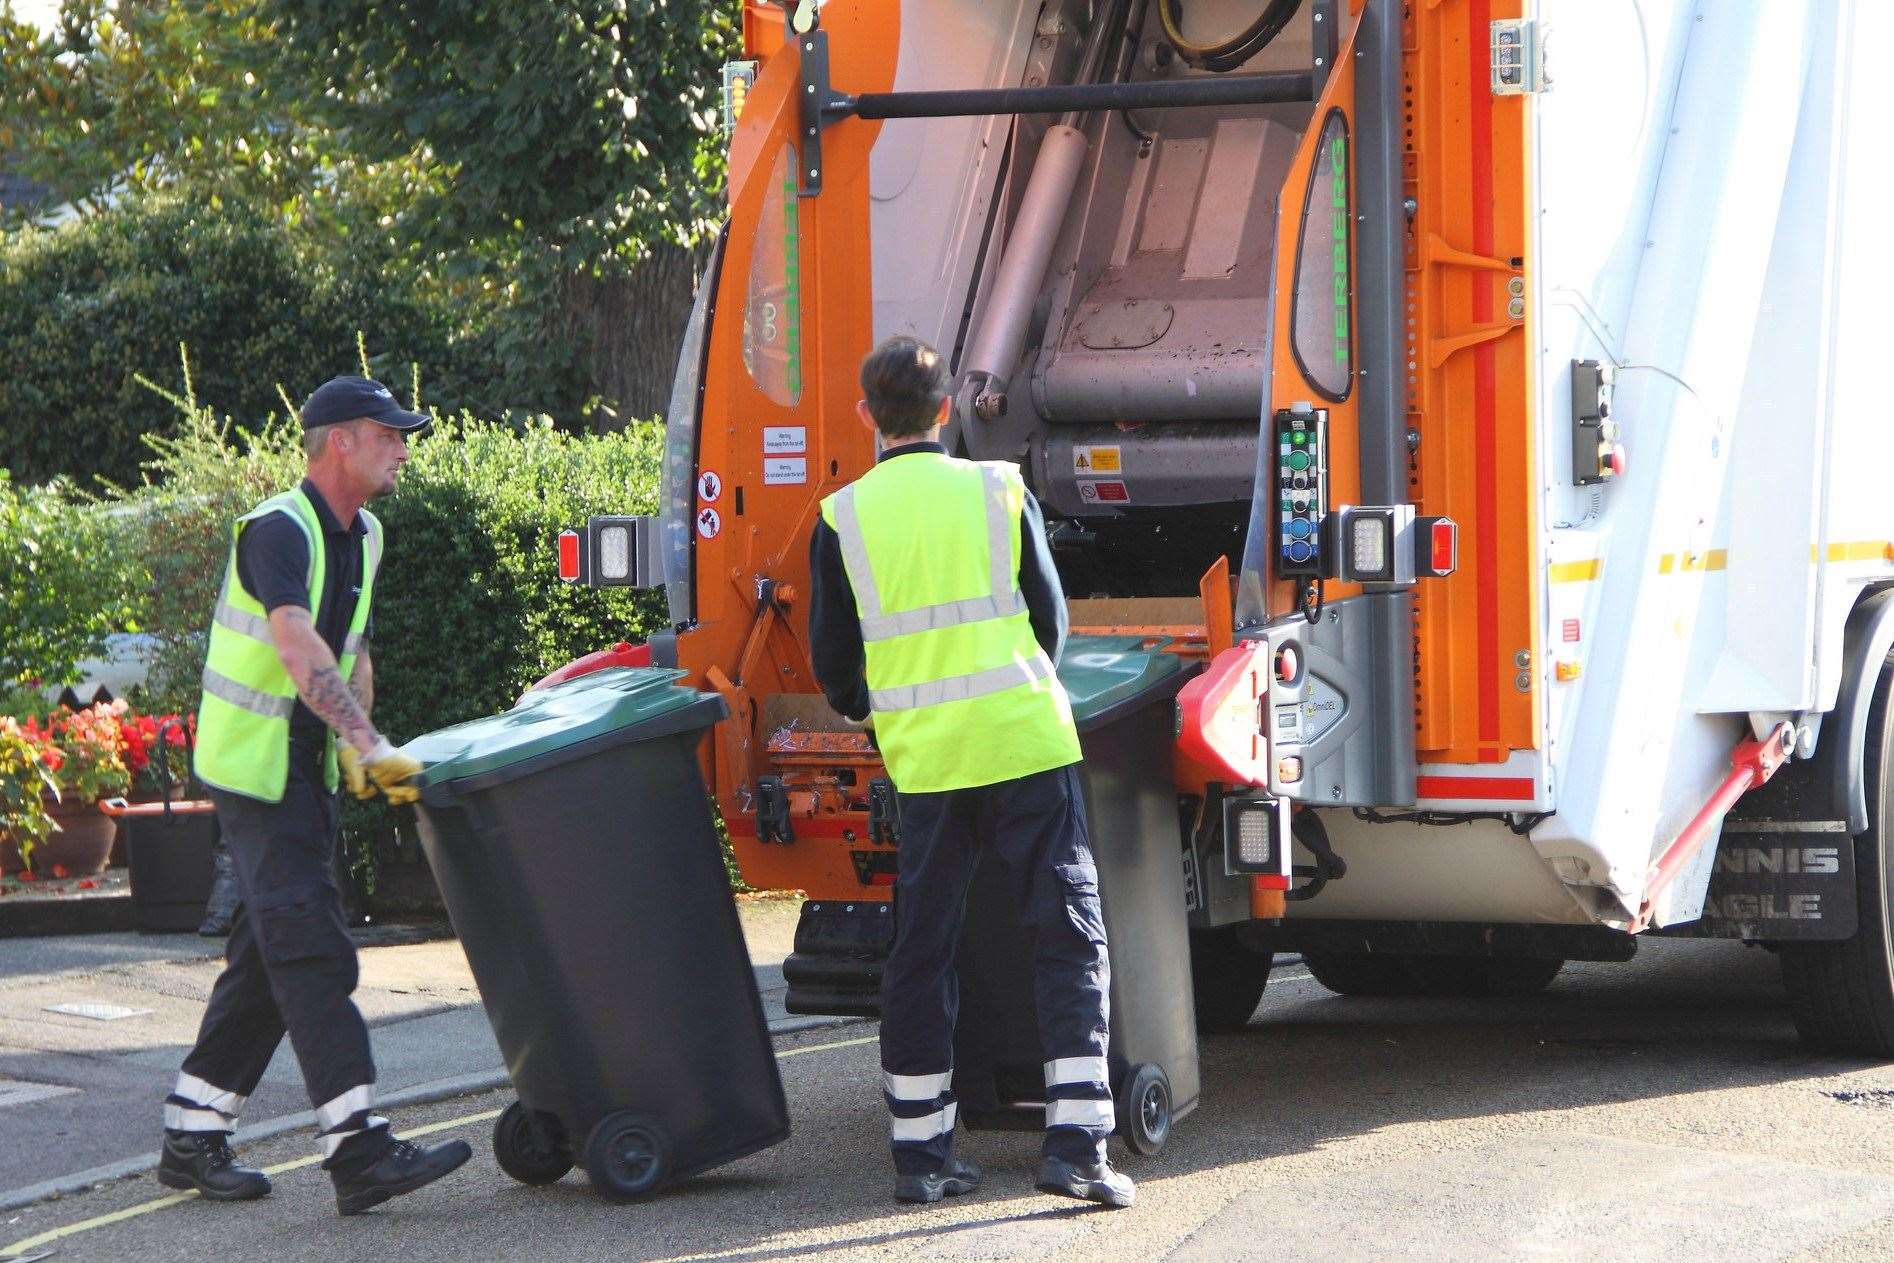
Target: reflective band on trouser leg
[(1078, 1093), (921, 1107), (347, 1115), (195, 1105), (961, 688), (926, 1127)]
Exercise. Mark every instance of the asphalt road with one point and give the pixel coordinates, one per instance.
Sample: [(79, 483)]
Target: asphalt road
[(1662, 1109)]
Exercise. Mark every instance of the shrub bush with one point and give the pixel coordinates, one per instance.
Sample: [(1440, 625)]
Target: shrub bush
[(86, 306), (64, 584)]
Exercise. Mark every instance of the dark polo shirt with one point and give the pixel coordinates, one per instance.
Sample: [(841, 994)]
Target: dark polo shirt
[(273, 566)]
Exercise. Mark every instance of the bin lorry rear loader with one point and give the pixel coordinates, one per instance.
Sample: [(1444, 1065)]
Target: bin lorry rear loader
[(1482, 397)]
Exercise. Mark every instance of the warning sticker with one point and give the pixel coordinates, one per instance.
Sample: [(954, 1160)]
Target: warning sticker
[(709, 522), (785, 471), (1100, 459), (1104, 492), (709, 487), (781, 440)]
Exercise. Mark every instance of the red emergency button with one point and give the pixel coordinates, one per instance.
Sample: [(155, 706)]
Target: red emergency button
[(1288, 665), (1611, 462)]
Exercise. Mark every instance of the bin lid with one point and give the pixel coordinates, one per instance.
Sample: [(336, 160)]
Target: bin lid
[(1101, 673), (613, 701)]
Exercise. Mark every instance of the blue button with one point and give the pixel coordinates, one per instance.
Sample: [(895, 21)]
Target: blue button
[(1299, 551), (1299, 528)]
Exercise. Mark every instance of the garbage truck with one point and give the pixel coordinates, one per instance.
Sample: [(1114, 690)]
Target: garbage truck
[(1476, 402)]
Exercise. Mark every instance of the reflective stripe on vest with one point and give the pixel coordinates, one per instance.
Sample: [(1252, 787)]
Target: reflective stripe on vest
[(999, 548), (962, 693), (243, 721)]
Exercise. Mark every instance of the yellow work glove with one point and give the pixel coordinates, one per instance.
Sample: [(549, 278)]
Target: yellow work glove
[(392, 773), (353, 778)]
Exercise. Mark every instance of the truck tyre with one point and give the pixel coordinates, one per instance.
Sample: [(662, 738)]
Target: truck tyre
[(1842, 993), (1226, 980), (1360, 974)]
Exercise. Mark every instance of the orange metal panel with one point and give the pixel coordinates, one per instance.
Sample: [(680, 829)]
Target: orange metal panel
[(793, 320), (1470, 384)]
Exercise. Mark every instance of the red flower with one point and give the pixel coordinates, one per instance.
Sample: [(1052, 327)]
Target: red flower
[(29, 875), (59, 871)]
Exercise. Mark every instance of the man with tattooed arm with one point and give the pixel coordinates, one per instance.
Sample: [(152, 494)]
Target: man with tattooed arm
[(284, 720)]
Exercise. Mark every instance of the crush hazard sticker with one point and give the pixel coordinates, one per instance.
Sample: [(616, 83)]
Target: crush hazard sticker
[(780, 471), (709, 522), (709, 487), (1110, 492), (1097, 459)]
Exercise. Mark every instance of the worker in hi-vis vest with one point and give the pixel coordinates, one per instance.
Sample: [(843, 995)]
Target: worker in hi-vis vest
[(288, 667), (936, 615)]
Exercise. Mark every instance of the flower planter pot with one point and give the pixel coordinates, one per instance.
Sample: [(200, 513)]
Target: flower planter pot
[(171, 847), (83, 844)]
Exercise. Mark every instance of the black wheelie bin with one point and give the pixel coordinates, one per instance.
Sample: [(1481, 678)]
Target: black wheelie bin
[(573, 844), (1123, 691)]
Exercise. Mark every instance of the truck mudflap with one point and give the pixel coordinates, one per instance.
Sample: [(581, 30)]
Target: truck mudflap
[(1779, 881)]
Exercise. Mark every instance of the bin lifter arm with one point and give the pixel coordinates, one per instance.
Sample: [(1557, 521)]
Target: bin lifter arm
[(1753, 763)]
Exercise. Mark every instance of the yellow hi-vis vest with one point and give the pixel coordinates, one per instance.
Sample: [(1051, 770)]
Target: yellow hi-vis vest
[(243, 718), (961, 692)]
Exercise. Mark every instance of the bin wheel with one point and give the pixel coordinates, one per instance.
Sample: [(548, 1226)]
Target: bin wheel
[(627, 1156), (1144, 1109), (530, 1145)]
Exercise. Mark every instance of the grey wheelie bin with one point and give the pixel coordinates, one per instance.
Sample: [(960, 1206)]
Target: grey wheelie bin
[(573, 844), (1123, 691)]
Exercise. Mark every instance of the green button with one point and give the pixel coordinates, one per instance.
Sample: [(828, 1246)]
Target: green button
[(1298, 460)]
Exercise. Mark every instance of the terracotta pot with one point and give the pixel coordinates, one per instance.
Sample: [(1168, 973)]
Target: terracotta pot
[(83, 844)]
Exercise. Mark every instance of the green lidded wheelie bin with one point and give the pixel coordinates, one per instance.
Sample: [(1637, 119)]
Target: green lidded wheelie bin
[(573, 844), (1123, 691)]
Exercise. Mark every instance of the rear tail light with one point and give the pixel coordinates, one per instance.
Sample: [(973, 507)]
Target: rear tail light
[(569, 556)]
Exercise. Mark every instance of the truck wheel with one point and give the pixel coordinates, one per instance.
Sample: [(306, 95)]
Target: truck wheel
[(1842, 993), (1226, 980), (1481, 976), (530, 1145), (627, 1156), (1359, 974), (1144, 1109)]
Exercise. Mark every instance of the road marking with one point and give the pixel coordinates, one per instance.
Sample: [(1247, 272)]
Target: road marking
[(177, 1199)]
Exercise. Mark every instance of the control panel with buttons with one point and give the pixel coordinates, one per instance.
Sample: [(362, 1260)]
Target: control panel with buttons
[(1301, 488)]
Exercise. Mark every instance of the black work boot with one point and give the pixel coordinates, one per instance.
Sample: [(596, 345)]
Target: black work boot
[(1092, 1182), (401, 1168), (202, 1160), (957, 1177)]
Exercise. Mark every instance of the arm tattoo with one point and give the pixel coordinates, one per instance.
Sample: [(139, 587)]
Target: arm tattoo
[(324, 693)]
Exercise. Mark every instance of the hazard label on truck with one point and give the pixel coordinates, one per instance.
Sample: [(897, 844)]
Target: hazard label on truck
[(785, 471), (709, 487), (1098, 459), (1104, 492), (709, 522), (781, 440)]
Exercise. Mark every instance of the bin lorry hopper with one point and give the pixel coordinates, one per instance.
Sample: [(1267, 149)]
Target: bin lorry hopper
[(1482, 398)]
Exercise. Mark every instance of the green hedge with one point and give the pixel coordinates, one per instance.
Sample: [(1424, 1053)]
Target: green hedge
[(84, 307), (63, 585), (469, 609)]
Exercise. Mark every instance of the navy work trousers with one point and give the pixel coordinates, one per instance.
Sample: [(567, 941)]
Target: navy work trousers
[(1035, 825), (289, 965)]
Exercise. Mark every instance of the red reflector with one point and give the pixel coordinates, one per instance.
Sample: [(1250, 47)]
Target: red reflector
[(569, 556), (881, 879), (1443, 547)]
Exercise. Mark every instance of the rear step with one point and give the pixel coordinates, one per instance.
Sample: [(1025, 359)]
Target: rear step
[(836, 967)]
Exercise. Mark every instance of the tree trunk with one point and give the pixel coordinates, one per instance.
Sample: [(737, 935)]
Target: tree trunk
[(627, 328)]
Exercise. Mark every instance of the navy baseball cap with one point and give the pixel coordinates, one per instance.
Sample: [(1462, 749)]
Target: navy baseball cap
[(351, 398)]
